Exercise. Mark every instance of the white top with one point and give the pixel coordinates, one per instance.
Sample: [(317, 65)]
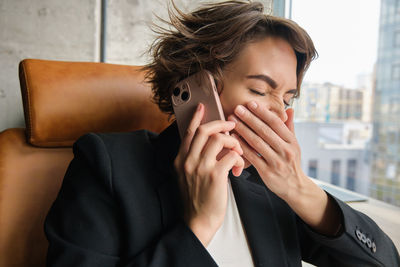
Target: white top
[(229, 245)]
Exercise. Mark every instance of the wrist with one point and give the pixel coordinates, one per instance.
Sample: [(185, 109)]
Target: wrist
[(307, 200), (203, 229), (298, 192), (316, 208)]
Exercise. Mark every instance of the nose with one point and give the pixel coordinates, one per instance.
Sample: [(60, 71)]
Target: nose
[(278, 108)]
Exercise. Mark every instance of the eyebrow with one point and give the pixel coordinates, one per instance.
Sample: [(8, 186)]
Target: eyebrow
[(271, 82)]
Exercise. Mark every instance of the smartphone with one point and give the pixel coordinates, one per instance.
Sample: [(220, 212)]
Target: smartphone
[(187, 94)]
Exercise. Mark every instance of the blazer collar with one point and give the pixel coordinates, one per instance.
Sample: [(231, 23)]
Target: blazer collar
[(166, 146), (259, 219), (252, 199)]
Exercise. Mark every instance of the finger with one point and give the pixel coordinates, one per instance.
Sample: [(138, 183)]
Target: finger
[(270, 118), (289, 122), (193, 125), (215, 145), (231, 160), (250, 126), (265, 142), (249, 153), (203, 133)]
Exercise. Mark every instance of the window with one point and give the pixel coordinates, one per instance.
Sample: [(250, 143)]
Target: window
[(397, 7), (367, 95), (335, 172), (347, 111), (358, 112), (340, 112), (396, 72), (396, 39), (313, 168), (351, 174)]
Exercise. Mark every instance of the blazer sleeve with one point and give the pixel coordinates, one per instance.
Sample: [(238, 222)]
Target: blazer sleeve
[(83, 225), (361, 243)]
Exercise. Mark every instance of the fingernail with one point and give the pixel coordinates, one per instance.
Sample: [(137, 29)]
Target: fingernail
[(241, 150), (236, 172), (232, 118), (253, 105), (199, 106), (239, 110), (233, 124)]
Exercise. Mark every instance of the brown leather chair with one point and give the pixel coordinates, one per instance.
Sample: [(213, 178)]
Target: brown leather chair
[(62, 101)]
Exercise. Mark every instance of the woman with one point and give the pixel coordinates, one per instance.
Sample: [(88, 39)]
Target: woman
[(141, 199)]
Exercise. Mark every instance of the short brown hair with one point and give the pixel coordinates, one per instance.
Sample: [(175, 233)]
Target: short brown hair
[(211, 37)]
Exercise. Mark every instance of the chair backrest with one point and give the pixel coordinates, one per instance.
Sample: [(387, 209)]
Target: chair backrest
[(62, 101)]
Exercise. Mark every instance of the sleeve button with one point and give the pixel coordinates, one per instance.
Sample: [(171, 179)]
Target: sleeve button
[(363, 238), (369, 243), (358, 234)]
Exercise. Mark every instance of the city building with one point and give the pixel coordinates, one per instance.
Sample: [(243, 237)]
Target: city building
[(365, 82), (336, 153), (331, 103), (385, 160), (334, 130)]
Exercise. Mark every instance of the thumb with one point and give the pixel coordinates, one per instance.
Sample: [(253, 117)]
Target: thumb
[(289, 121)]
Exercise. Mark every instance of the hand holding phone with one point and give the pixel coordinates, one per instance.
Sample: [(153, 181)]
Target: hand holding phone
[(202, 177)]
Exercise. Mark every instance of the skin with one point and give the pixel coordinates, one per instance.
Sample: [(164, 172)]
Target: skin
[(256, 88)]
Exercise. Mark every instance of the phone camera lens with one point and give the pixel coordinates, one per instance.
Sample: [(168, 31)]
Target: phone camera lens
[(177, 90), (185, 96)]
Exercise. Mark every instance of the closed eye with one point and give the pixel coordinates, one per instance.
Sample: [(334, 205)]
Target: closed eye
[(256, 92), (288, 104)]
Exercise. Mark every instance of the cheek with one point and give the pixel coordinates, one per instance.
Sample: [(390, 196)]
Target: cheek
[(231, 98), (227, 105)]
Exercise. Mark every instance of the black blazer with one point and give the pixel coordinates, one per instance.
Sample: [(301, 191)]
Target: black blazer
[(119, 205)]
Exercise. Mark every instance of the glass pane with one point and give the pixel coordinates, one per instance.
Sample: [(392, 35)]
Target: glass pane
[(335, 173), (313, 168), (347, 116)]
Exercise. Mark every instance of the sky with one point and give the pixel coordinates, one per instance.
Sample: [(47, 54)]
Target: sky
[(345, 34)]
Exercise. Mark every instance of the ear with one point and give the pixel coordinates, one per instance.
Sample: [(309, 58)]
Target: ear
[(289, 122)]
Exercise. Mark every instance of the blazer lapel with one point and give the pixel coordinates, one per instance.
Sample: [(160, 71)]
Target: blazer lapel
[(254, 204), (171, 203), (259, 221), (167, 145)]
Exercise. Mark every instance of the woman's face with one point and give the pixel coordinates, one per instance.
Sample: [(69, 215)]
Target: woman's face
[(264, 71)]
